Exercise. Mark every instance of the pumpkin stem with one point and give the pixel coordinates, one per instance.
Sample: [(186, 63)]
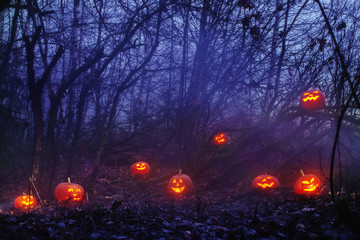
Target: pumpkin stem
[(302, 172), (180, 171), (69, 180)]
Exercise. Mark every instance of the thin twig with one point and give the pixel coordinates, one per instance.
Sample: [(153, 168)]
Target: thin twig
[(37, 193)]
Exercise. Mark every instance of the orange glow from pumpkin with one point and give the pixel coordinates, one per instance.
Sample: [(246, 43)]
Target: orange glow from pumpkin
[(67, 193), (140, 166), (140, 169), (73, 194), (265, 181), (178, 188), (25, 202), (220, 139), (180, 184), (312, 99), (265, 185), (308, 185)]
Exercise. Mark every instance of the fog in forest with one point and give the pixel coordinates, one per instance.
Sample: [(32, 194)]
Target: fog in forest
[(88, 84)]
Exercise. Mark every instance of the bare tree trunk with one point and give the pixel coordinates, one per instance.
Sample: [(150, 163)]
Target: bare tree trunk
[(180, 118), (129, 81), (79, 120), (340, 55), (55, 102), (14, 24), (273, 57), (98, 106), (351, 97), (36, 92), (73, 64), (197, 93), (280, 60)]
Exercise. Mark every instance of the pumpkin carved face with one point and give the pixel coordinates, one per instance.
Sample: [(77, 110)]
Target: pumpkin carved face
[(265, 182), (139, 168), (312, 99), (69, 192), (220, 139), (25, 202), (307, 185), (180, 184)]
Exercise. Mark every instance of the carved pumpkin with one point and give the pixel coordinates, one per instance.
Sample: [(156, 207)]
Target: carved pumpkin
[(308, 185), (25, 202), (180, 184), (312, 99), (265, 182), (139, 168), (220, 139), (68, 193)]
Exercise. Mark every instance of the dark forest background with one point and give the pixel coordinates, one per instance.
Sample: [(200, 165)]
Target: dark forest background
[(106, 82)]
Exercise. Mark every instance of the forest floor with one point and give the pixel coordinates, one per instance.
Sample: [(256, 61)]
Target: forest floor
[(123, 207)]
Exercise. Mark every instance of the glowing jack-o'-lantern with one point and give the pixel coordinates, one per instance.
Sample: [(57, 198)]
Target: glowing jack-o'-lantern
[(265, 182), (220, 139), (67, 193), (180, 184), (312, 99), (139, 168), (308, 185), (25, 202)]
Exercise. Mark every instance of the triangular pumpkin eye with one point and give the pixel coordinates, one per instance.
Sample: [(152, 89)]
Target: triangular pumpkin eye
[(180, 180), (174, 181)]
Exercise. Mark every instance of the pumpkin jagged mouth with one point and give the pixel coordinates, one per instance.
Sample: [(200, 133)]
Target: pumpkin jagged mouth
[(265, 185), (311, 189), (310, 98), (178, 189), (27, 203), (75, 199), (220, 138)]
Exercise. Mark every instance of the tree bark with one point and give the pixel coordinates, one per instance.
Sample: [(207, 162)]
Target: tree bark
[(36, 92), (6, 57), (129, 81)]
